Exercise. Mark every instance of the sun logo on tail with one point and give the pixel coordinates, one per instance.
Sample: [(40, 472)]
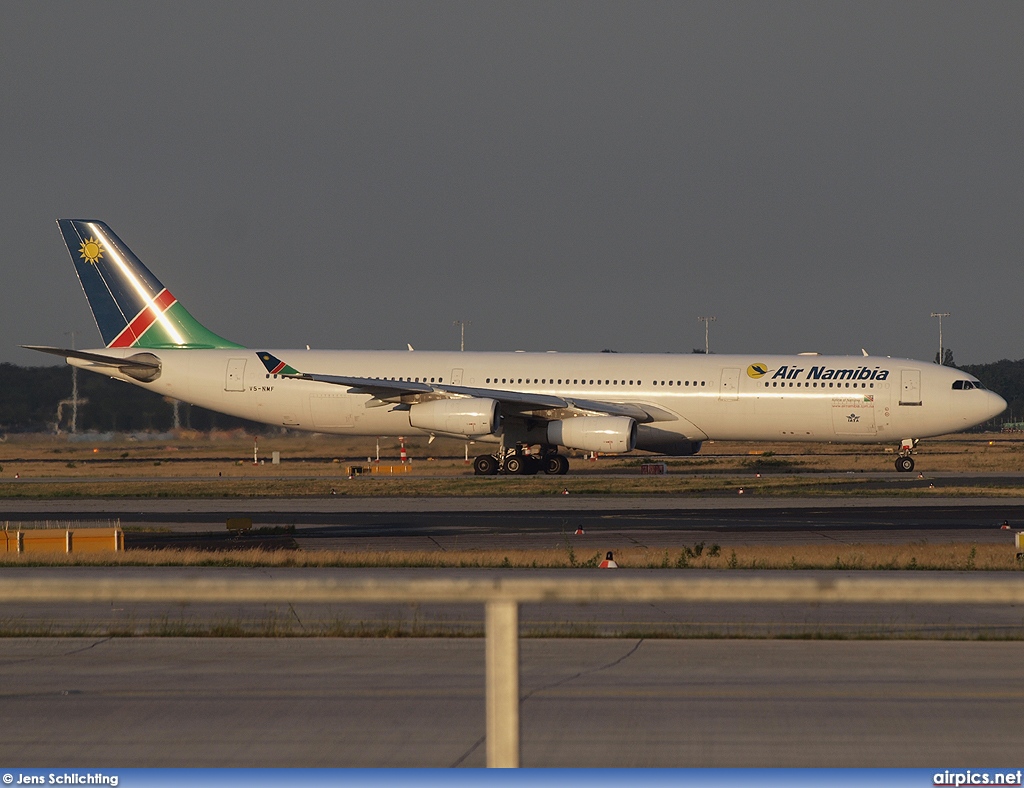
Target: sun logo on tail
[(92, 250)]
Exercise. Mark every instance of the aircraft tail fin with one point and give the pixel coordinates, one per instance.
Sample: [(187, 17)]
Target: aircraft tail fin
[(131, 307)]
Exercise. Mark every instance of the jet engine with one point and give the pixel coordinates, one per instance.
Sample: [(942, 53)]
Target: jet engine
[(467, 416), (612, 434), (671, 444)]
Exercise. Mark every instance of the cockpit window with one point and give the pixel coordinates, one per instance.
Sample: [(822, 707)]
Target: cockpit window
[(967, 384)]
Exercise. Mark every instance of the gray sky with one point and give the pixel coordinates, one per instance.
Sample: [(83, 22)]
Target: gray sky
[(571, 176)]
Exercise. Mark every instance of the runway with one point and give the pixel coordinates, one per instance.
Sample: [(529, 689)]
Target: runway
[(599, 703), (661, 620), (529, 523), (647, 685)]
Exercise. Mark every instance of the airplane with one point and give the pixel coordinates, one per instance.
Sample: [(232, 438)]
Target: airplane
[(528, 405)]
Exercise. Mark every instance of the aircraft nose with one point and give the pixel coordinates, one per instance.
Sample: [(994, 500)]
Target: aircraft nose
[(994, 405)]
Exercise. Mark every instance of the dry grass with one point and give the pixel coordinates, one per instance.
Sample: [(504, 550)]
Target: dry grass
[(315, 465), (921, 556), (220, 466), (722, 485), (232, 453)]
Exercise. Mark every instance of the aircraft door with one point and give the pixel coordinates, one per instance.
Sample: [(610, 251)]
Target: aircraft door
[(730, 384), (456, 377), (234, 380), (910, 391)]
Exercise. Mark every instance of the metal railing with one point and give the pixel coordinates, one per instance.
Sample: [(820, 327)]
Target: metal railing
[(65, 525), (502, 597)]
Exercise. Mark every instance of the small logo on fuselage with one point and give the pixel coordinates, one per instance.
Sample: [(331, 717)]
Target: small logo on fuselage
[(757, 370)]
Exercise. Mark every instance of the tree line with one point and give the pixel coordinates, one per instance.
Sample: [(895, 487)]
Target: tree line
[(31, 396)]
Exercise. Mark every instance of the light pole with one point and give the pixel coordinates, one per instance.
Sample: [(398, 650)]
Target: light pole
[(940, 315), (462, 331), (707, 321), (74, 389)]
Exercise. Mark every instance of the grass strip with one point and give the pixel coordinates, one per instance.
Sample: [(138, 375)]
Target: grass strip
[(954, 556)]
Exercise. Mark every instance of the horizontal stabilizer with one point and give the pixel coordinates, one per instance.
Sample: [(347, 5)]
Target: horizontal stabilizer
[(96, 358)]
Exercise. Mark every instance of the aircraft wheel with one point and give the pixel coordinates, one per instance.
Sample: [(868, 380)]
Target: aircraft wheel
[(556, 465), (515, 465), (532, 465), (485, 465), (904, 464)]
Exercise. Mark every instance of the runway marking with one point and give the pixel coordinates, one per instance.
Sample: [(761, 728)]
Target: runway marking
[(820, 690), (241, 693)]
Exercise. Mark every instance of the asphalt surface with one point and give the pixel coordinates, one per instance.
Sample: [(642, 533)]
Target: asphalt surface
[(705, 698), (420, 702), (660, 620), (527, 523)]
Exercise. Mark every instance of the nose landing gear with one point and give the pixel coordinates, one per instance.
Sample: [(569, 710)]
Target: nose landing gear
[(905, 463)]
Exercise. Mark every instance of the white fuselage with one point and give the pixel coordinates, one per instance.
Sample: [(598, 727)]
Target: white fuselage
[(717, 397)]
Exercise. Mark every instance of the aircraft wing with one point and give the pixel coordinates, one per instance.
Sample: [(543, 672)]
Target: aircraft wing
[(375, 386), (384, 391)]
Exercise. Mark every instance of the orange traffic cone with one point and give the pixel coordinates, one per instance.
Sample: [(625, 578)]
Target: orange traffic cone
[(579, 531), (608, 562)]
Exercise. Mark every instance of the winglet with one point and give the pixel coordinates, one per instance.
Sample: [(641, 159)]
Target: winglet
[(276, 366)]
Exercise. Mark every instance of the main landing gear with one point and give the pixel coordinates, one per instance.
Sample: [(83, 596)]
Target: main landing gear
[(905, 463), (517, 463)]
